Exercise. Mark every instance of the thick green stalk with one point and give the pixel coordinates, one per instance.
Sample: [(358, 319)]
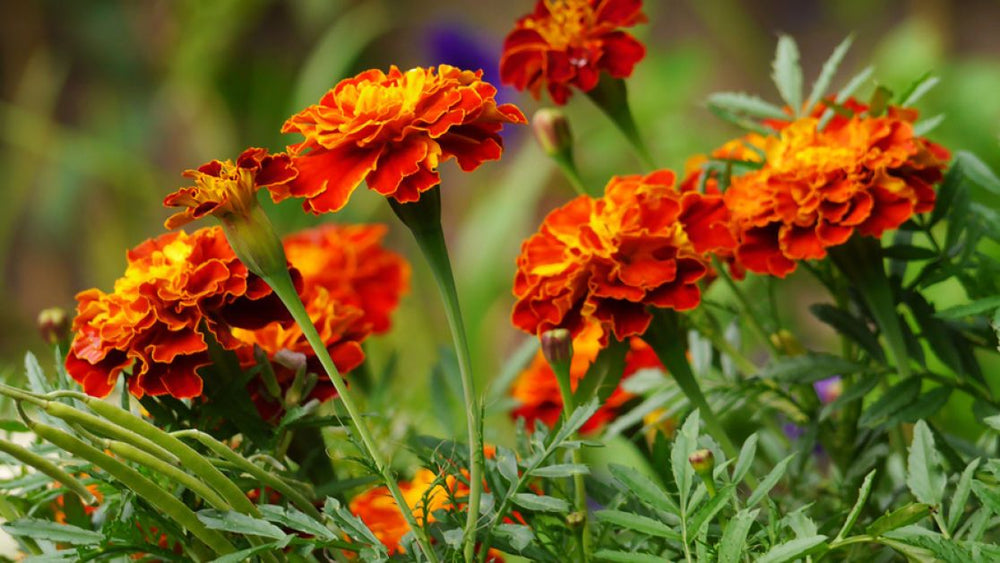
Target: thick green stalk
[(135, 455), (424, 220), (670, 344), (49, 468), (611, 96), (143, 487), (281, 283), (568, 167), (562, 373)]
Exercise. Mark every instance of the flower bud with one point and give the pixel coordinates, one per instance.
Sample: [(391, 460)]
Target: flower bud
[(557, 346), (703, 462), (53, 324), (575, 520), (787, 343), (551, 129)]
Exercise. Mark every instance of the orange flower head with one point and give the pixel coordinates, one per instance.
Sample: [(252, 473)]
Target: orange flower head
[(393, 130), (537, 391), (566, 43), (223, 188), (645, 243), (175, 287), (861, 174)]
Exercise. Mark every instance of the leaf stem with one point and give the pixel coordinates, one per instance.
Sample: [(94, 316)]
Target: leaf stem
[(563, 377), (611, 96)]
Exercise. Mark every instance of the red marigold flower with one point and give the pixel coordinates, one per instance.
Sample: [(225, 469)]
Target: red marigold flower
[(537, 390), (223, 188), (606, 260), (393, 130), (860, 174), (175, 287), (567, 43)]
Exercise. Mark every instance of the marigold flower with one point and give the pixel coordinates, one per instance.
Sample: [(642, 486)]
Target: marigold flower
[(605, 260), (860, 174), (393, 130), (537, 390), (175, 287), (567, 43)]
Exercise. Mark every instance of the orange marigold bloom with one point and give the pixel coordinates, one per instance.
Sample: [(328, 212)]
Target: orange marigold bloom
[(225, 188), (605, 260), (860, 174), (175, 286), (567, 43), (393, 130), (537, 390)]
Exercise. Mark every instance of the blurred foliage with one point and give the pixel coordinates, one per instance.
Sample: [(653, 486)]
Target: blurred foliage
[(103, 103)]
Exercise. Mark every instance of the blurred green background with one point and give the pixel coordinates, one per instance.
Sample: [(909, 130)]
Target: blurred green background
[(104, 103)]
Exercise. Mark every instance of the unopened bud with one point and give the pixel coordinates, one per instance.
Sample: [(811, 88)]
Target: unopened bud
[(53, 324), (551, 129), (787, 343), (294, 361), (576, 519), (557, 346), (703, 461)]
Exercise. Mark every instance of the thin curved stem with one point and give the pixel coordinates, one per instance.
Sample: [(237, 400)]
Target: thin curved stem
[(563, 377)]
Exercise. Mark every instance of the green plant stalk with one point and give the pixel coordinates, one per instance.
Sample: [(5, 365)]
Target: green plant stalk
[(748, 312), (146, 489), (281, 283), (564, 159), (611, 96), (669, 342), (261, 475), (49, 468), (135, 455), (563, 377)]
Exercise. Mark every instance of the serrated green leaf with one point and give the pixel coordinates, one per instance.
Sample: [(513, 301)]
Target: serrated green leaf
[(846, 92), (296, 520), (238, 523), (852, 516), (248, 553), (507, 465), (705, 514), (638, 523), (904, 516), (561, 470), (685, 442), (792, 550), (978, 172), (828, 71), (51, 531), (745, 459), (742, 103), (518, 535), (956, 508), (809, 368), (732, 544), (988, 495), (644, 488), (37, 381), (787, 73), (924, 476), (769, 482), (541, 503), (893, 400), (579, 417), (977, 307)]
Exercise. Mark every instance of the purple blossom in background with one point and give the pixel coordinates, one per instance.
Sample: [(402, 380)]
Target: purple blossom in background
[(459, 45), (829, 389)]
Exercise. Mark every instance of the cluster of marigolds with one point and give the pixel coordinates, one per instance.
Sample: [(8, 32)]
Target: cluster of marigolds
[(595, 267)]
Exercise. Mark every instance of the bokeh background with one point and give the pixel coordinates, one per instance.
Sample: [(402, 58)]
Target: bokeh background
[(103, 103)]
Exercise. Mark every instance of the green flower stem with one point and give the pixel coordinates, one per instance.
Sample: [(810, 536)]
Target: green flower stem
[(261, 475), (748, 311), (860, 260), (135, 455), (49, 468), (423, 218), (143, 487), (562, 373), (568, 167), (281, 283), (670, 344), (611, 96)]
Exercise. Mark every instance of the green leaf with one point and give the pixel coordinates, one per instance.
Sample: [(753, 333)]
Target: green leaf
[(904, 516), (917, 90), (810, 367), (787, 73), (238, 523), (742, 103), (769, 482), (518, 535), (579, 417), (947, 189), (37, 381), (908, 252), (351, 523), (541, 503), (993, 422), (638, 523), (738, 121), (924, 476), (957, 506), (507, 465), (561, 470), (605, 372), (852, 516), (978, 172), (893, 400), (925, 126), (988, 495), (829, 70), (685, 442), (644, 488), (732, 544), (52, 531), (626, 556), (792, 550), (745, 459), (705, 514), (248, 553), (849, 326), (977, 307), (926, 405), (296, 520)]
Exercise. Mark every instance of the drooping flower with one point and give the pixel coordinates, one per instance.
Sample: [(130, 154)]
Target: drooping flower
[(537, 391), (177, 289), (566, 43), (393, 130), (859, 174), (606, 260)]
